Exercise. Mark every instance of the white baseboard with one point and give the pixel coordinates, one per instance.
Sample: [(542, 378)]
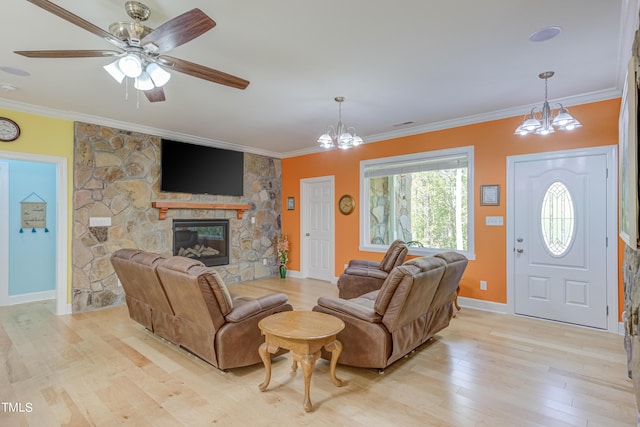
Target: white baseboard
[(494, 307), (298, 275), (295, 274), (64, 309), (32, 297)]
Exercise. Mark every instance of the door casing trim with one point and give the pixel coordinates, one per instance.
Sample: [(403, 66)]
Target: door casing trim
[(62, 221)]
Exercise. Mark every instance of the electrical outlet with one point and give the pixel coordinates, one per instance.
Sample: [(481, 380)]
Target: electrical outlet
[(264, 261), (119, 283), (253, 220), (483, 285)]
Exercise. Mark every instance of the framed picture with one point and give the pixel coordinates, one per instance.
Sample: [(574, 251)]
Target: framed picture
[(628, 157), (291, 203), (490, 195)]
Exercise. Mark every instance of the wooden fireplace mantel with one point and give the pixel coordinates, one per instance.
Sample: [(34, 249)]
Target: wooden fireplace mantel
[(163, 207)]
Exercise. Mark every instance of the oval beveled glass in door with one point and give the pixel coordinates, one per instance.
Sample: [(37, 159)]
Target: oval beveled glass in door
[(557, 219)]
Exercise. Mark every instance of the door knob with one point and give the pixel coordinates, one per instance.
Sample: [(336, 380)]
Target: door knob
[(520, 251), (519, 239), (307, 234)]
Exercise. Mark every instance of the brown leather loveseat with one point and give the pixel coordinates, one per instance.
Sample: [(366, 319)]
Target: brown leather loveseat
[(413, 304), (187, 303)]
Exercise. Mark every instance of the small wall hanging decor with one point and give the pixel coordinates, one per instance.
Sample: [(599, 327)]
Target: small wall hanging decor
[(490, 195), (33, 214)]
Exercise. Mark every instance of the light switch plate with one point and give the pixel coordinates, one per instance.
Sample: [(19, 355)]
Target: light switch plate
[(99, 221), (494, 220)]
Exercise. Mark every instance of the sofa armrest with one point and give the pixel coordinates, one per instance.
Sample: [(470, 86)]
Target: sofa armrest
[(244, 307), (361, 308), (356, 281)]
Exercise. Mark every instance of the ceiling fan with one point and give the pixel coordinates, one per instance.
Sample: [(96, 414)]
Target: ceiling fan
[(141, 49)]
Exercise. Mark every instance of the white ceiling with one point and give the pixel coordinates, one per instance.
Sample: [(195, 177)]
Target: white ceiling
[(435, 64)]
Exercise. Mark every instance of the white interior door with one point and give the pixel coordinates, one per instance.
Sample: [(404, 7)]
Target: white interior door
[(317, 228), (560, 239)]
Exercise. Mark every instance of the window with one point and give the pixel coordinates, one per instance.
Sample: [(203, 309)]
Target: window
[(424, 199), (557, 219)]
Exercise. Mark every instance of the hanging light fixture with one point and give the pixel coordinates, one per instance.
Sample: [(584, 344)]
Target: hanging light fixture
[(340, 135), (543, 121), (146, 75)]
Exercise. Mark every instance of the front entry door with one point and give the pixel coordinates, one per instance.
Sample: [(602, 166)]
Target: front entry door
[(560, 239), (317, 228)]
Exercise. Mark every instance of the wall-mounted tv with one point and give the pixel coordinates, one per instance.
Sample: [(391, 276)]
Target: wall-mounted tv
[(198, 169)]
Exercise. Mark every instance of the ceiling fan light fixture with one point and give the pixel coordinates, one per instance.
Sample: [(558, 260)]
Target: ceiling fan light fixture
[(114, 71), (130, 65), (543, 121), (159, 76), (143, 82)]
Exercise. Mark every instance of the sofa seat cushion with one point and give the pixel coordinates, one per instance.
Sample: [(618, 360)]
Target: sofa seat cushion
[(244, 307), (360, 307)]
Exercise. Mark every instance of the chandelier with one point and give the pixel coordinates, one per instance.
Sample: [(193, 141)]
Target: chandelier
[(543, 121), (147, 75), (340, 135)]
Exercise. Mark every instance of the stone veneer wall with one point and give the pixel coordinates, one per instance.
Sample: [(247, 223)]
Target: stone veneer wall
[(631, 278), (117, 175)]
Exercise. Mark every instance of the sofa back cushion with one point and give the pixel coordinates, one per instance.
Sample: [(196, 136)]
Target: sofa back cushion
[(197, 293), (394, 257), (408, 291), (136, 270), (456, 264)]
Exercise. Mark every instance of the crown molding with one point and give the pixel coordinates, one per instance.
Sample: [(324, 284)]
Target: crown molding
[(586, 98), (131, 127), (383, 136)]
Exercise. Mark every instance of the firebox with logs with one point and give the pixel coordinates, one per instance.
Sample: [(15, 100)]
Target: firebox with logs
[(206, 240)]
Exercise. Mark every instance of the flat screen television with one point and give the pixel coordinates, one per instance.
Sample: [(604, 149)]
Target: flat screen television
[(198, 169)]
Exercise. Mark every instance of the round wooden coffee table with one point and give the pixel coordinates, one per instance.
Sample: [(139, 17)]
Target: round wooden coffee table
[(304, 333)]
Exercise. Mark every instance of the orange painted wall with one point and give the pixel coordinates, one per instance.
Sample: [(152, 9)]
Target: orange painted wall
[(493, 141)]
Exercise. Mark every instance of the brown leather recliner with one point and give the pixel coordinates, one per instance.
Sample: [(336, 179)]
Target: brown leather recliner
[(362, 276), (144, 294), (212, 323), (413, 304)]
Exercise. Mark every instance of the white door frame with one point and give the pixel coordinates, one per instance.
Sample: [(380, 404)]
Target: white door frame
[(62, 221), (611, 153), (304, 200)]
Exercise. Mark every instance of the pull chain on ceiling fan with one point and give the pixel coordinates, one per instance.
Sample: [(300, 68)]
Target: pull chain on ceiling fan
[(141, 49)]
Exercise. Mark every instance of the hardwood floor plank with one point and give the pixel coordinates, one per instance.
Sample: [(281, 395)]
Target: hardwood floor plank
[(102, 369)]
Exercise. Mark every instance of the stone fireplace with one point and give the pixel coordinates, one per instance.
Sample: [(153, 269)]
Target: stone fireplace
[(206, 240)]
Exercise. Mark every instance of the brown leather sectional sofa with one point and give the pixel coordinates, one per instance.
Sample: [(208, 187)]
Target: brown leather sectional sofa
[(188, 304), (412, 305)]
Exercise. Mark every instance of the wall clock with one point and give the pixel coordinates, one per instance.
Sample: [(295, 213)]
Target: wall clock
[(347, 204), (9, 130)]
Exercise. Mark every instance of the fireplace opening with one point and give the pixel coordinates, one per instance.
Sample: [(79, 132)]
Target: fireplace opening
[(206, 240)]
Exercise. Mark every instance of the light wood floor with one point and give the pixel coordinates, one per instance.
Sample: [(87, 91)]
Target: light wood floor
[(485, 369)]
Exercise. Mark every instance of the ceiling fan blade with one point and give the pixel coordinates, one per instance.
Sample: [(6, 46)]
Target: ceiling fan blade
[(75, 19), (155, 95), (205, 73), (179, 30), (66, 53)]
